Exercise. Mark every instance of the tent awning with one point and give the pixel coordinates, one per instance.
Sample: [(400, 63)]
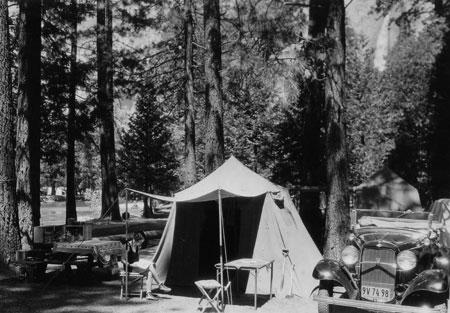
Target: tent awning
[(150, 195), (211, 196), (232, 179)]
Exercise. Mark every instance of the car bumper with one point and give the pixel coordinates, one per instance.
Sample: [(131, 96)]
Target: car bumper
[(374, 306)]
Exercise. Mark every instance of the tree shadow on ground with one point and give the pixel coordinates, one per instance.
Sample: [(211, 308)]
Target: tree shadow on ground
[(98, 291), (73, 291)]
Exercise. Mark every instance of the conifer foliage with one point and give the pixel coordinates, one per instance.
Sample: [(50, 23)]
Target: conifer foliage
[(147, 159)]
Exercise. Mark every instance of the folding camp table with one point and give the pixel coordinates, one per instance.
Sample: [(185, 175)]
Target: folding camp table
[(251, 265)]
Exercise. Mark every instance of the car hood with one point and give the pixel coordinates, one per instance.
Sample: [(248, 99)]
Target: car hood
[(400, 238)]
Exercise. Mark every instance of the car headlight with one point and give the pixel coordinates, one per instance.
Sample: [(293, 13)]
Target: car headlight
[(406, 260), (350, 255)]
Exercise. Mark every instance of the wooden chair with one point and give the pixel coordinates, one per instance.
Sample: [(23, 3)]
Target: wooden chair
[(133, 279), (211, 290)]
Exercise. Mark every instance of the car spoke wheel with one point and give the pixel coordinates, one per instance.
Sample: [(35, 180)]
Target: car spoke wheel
[(442, 308), (322, 306)]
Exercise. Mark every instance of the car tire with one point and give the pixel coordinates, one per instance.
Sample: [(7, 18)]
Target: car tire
[(323, 307)]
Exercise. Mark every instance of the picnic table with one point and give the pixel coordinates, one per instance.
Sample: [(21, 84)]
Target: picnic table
[(95, 250), (84, 254)]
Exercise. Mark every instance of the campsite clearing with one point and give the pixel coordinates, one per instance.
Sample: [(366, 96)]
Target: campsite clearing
[(259, 221), (55, 294)]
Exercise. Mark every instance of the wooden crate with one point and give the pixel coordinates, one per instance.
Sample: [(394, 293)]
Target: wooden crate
[(47, 235), (79, 232)]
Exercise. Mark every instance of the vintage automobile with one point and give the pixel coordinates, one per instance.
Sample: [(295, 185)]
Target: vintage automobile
[(393, 262)]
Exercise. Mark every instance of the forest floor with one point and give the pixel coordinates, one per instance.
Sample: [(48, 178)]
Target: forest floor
[(70, 291), (61, 292)]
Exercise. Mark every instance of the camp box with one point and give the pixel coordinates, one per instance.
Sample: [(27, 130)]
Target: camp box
[(33, 270), (30, 264)]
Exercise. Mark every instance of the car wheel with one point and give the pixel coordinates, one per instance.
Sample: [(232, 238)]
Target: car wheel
[(322, 306)]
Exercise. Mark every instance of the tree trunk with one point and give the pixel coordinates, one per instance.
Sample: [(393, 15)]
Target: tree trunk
[(214, 144), (439, 7), (71, 207), (337, 214), (439, 96), (9, 220), (318, 12), (53, 187), (190, 172), (312, 158), (147, 211), (110, 205), (28, 118)]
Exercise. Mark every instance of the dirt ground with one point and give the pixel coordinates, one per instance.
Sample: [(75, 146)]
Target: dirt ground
[(62, 291), (66, 292)]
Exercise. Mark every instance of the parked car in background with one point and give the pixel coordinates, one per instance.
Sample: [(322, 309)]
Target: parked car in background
[(393, 262)]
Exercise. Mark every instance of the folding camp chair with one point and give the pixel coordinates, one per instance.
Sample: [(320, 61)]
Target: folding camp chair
[(211, 290), (132, 279)]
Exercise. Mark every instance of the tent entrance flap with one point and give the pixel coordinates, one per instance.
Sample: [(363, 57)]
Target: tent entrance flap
[(195, 249)]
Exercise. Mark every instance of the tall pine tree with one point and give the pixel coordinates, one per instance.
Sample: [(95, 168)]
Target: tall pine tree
[(28, 118), (9, 223), (337, 214), (214, 141), (147, 159), (110, 204)]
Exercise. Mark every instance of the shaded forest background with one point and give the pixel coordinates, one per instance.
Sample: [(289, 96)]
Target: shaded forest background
[(392, 114), (273, 62)]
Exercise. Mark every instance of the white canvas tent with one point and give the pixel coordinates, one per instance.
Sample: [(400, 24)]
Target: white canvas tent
[(385, 190), (259, 221)]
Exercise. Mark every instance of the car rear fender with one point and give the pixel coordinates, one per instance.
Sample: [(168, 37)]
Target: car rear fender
[(434, 281), (332, 270)]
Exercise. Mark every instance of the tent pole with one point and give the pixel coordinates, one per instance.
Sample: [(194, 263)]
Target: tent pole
[(126, 245), (221, 245)]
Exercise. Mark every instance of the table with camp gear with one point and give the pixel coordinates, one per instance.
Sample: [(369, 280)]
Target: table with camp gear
[(100, 251), (32, 263), (251, 265), (82, 254)]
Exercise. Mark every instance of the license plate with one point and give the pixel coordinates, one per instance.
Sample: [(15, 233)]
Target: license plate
[(375, 293)]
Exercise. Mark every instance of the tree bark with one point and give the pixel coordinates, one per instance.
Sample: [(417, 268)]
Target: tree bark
[(337, 214), (147, 211), (214, 142), (439, 96), (312, 158), (9, 220), (318, 12), (110, 204), (190, 174), (28, 118), (71, 207)]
